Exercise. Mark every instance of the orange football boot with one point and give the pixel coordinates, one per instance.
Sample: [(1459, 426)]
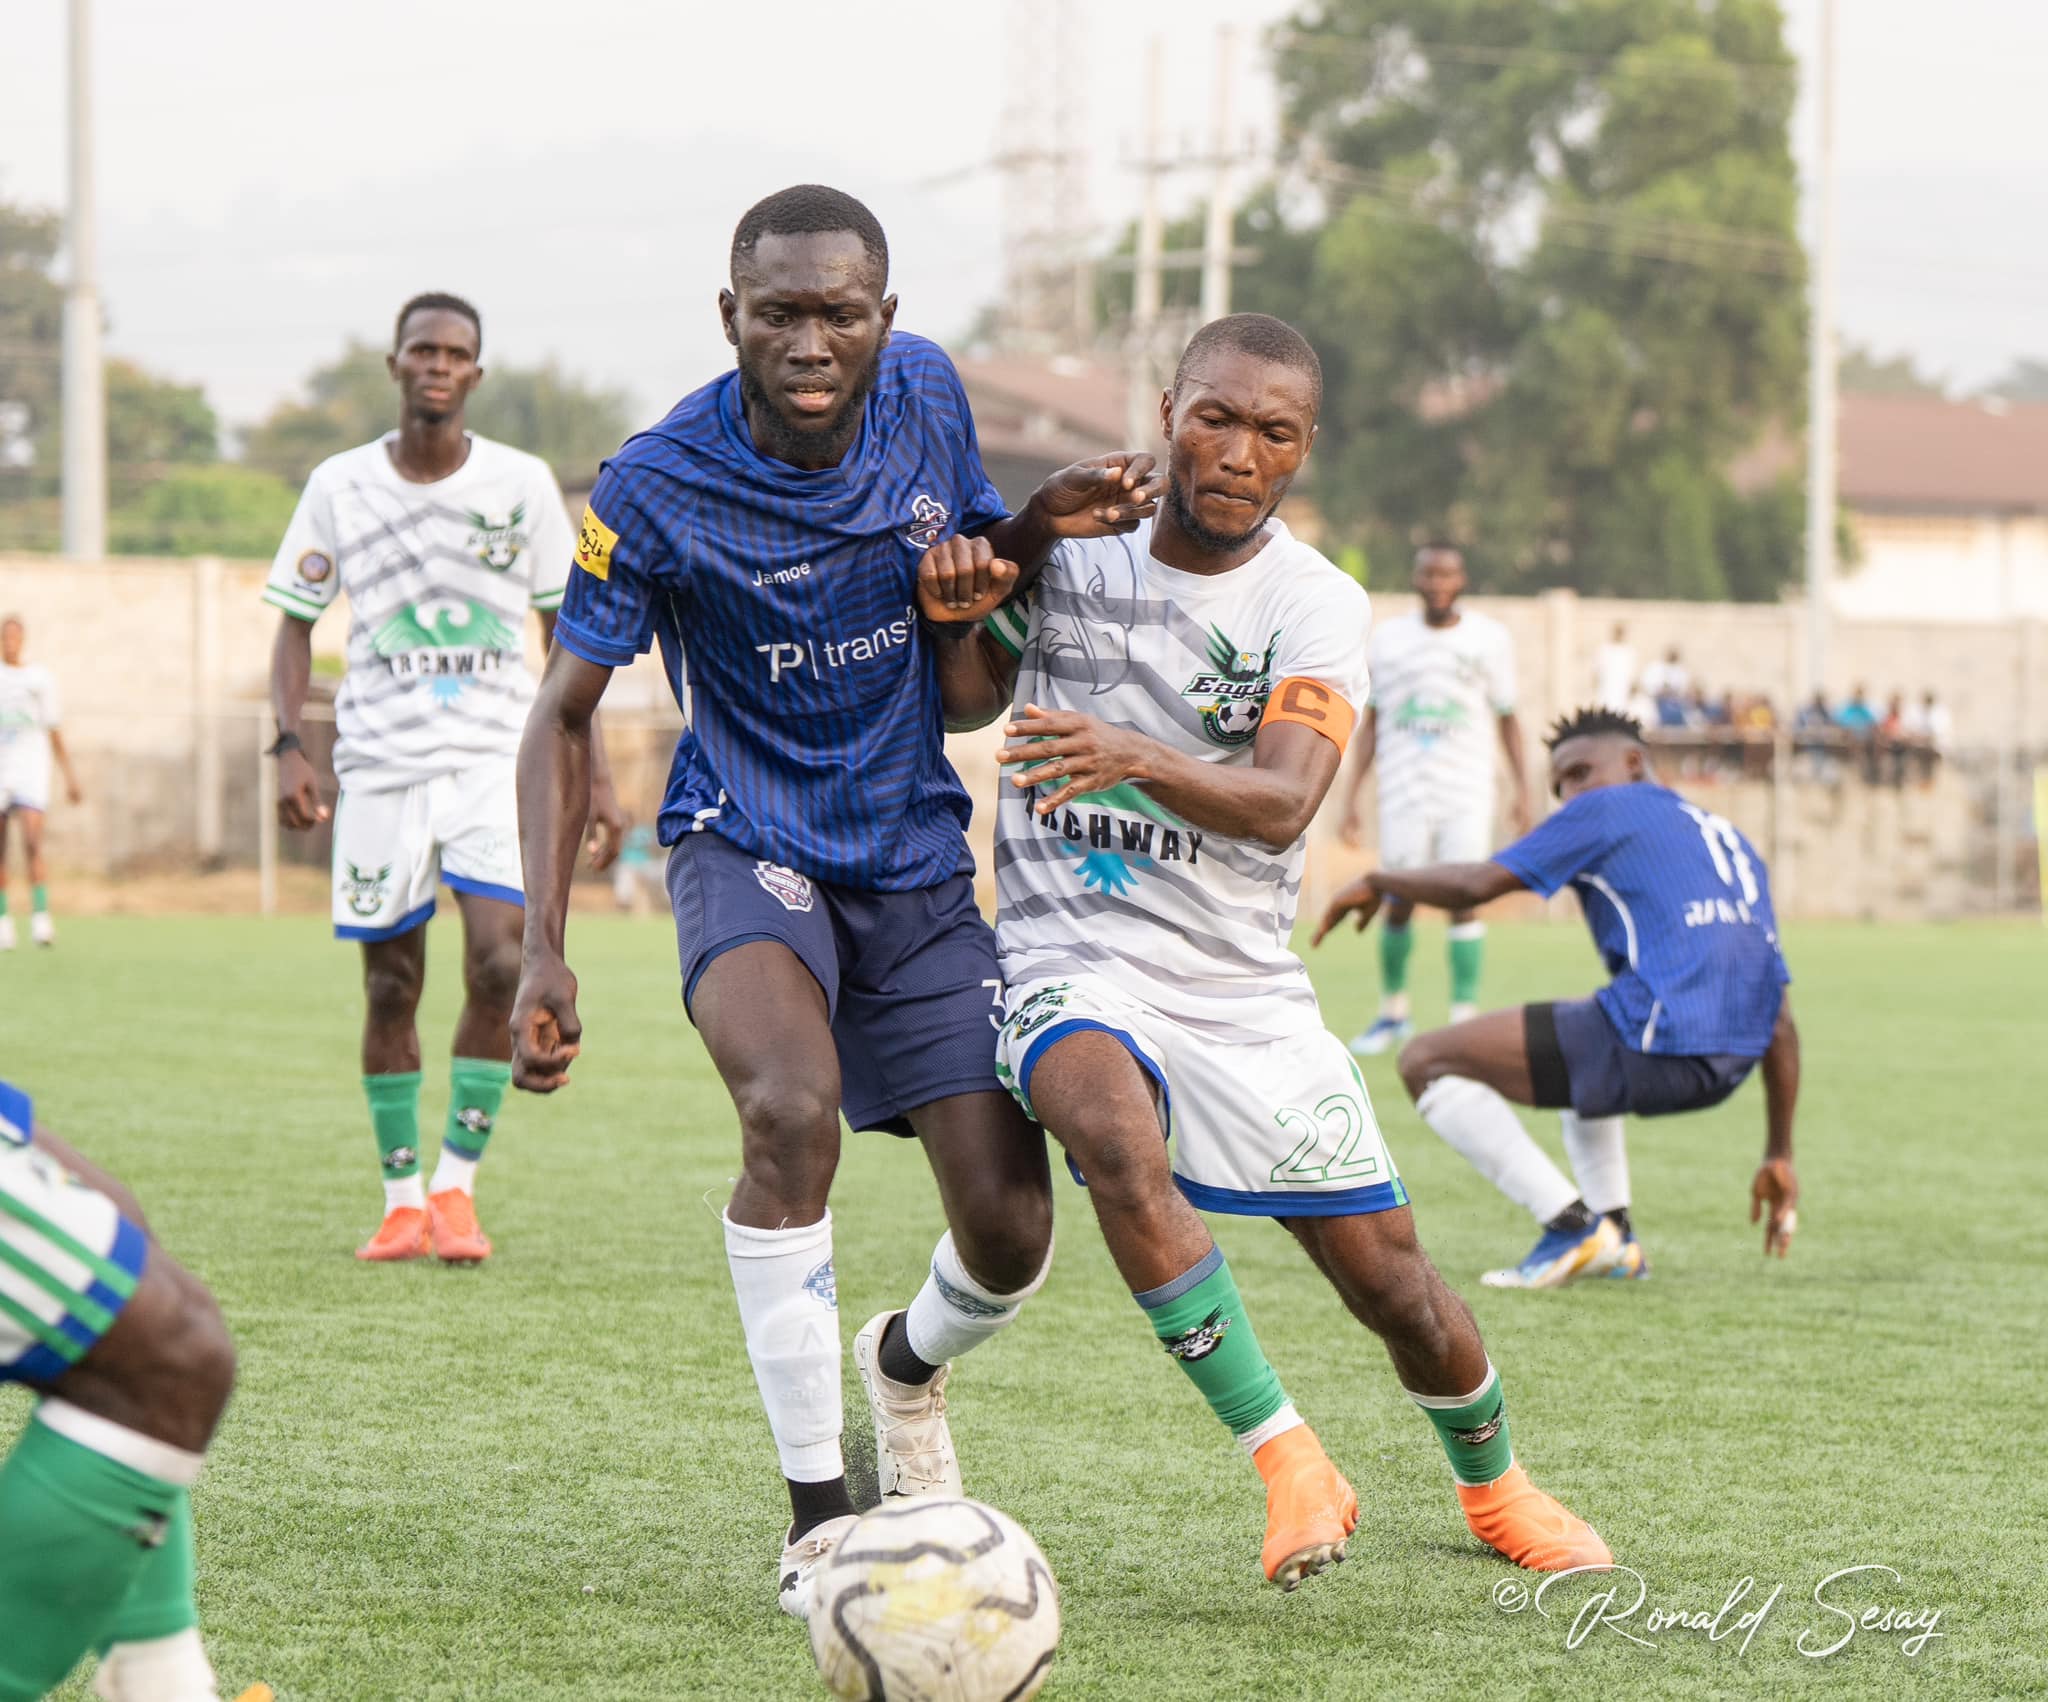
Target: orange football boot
[(257, 1693), (403, 1235), (1532, 1529), (457, 1238), (1310, 1510)]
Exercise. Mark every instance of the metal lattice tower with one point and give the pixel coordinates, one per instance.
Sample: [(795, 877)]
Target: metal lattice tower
[(1041, 152)]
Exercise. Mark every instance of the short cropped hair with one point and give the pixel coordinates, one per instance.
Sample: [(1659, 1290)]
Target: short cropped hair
[(1593, 723), (437, 301), (803, 209), (1257, 334)]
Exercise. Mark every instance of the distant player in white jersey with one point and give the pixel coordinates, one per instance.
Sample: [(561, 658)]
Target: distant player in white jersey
[(1182, 697), (1443, 683), (29, 740), (443, 541)]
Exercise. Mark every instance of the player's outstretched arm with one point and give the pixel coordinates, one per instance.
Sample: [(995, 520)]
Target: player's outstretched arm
[(1775, 1190), (1447, 886), (1090, 499), (554, 804), (1366, 747), (1521, 806), (1269, 804), (72, 791), (607, 819), (291, 674)]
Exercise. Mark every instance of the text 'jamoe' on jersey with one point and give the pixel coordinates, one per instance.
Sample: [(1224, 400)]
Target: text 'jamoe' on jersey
[(784, 602), (1115, 884), (440, 579)]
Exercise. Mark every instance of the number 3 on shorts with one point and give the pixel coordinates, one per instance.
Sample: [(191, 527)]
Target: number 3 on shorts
[(1337, 1127)]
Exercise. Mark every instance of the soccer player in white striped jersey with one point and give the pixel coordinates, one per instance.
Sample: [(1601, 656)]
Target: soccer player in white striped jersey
[(443, 541), (1182, 696), (1443, 683)]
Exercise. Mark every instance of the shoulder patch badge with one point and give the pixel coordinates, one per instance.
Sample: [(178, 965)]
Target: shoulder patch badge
[(594, 544)]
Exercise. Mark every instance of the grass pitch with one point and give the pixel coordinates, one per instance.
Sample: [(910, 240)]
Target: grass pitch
[(549, 1478)]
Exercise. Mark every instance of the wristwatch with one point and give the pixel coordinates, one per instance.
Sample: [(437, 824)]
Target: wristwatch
[(285, 742)]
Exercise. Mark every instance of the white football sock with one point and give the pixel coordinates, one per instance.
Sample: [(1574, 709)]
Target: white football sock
[(164, 1669), (954, 1312), (1483, 1126), (139, 1453), (789, 1309), (1394, 1006), (404, 1191), (1599, 1159), (454, 1171), (1282, 1421)]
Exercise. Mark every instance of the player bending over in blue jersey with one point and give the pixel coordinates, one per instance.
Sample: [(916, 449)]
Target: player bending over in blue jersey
[(1679, 904), (134, 1366), (770, 534)]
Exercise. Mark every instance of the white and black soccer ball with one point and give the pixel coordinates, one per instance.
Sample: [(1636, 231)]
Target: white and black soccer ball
[(935, 1600), (1237, 719)]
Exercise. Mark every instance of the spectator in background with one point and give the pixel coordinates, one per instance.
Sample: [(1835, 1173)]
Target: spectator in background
[(1929, 728), (1812, 728), (1614, 671), (1859, 721), (1891, 741), (1668, 678)]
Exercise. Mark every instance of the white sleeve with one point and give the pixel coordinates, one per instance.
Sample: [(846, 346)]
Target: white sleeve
[(1326, 640), (1375, 662), (1500, 676), (53, 714), (551, 543), (306, 573)]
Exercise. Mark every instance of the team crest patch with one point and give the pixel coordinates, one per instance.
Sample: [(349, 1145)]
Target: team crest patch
[(1038, 1010), (363, 890), (822, 1285), (474, 1120), (497, 543), (1202, 1340), (314, 567), (788, 888), (928, 517), (401, 1158), (1484, 1433), (1236, 683)]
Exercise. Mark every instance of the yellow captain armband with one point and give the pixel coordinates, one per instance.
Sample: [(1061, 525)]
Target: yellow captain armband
[(595, 542)]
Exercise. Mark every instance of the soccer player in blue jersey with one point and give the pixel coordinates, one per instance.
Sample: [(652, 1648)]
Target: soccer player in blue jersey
[(133, 1366), (1679, 904), (770, 534)]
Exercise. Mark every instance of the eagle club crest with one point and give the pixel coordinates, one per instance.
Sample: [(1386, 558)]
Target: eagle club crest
[(928, 517), (1202, 1340), (364, 890), (497, 543), (1237, 684)]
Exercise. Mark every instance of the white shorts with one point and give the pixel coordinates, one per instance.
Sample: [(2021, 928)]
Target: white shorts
[(1261, 1128), (1413, 839), (392, 848), (25, 775), (71, 1261)]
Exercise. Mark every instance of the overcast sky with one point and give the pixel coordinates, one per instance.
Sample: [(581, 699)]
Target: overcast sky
[(274, 178)]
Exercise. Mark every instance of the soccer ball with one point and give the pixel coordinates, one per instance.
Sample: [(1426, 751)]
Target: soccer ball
[(938, 1600), (1237, 719)]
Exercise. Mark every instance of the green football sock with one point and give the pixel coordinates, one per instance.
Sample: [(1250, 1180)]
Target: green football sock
[(395, 1116), (3, 901), (1474, 1432), (76, 1532), (160, 1603), (1200, 1320), (1395, 945), (477, 1090), (39, 899), (1468, 951)]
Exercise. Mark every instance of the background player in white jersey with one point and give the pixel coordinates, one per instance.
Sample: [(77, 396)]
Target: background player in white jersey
[(443, 541), (29, 739), (1443, 681), (1183, 696)]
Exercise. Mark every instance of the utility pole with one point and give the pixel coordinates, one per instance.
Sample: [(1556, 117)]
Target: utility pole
[(1820, 407), (1143, 400), (1217, 235), (85, 394)]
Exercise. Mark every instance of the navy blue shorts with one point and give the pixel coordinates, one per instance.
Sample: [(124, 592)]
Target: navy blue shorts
[(910, 978), (1578, 1062)]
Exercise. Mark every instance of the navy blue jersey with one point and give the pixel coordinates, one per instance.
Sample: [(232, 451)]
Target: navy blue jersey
[(17, 1116), (785, 605), (1680, 907)]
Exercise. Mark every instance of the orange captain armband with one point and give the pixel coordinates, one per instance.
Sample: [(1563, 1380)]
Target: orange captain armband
[(1312, 704)]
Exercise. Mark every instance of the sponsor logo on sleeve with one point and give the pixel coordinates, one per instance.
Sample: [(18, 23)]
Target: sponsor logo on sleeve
[(595, 542), (314, 567)]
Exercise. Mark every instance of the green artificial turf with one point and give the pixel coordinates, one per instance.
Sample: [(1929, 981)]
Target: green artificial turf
[(550, 1478)]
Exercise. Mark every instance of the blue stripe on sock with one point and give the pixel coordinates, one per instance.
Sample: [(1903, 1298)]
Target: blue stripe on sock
[(1193, 1277), (461, 1151)]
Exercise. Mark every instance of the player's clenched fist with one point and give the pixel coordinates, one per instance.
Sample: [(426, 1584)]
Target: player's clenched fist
[(298, 793), (962, 579), (546, 1032)]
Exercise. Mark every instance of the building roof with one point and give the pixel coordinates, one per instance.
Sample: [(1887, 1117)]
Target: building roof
[(1913, 453)]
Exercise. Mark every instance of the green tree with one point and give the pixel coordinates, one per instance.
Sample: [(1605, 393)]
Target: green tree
[(221, 509), (1556, 281), (155, 423), (1867, 373), (2023, 381), (352, 400)]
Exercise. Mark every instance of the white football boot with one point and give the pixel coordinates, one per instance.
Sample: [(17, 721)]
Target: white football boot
[(801, 1559), (165, 1669), (41, 929), (6, 933), (913, 1448)]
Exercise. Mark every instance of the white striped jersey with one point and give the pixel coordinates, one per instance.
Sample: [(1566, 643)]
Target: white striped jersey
[(28, 706), (1438, 693), (1115, 884), (439, 578)]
